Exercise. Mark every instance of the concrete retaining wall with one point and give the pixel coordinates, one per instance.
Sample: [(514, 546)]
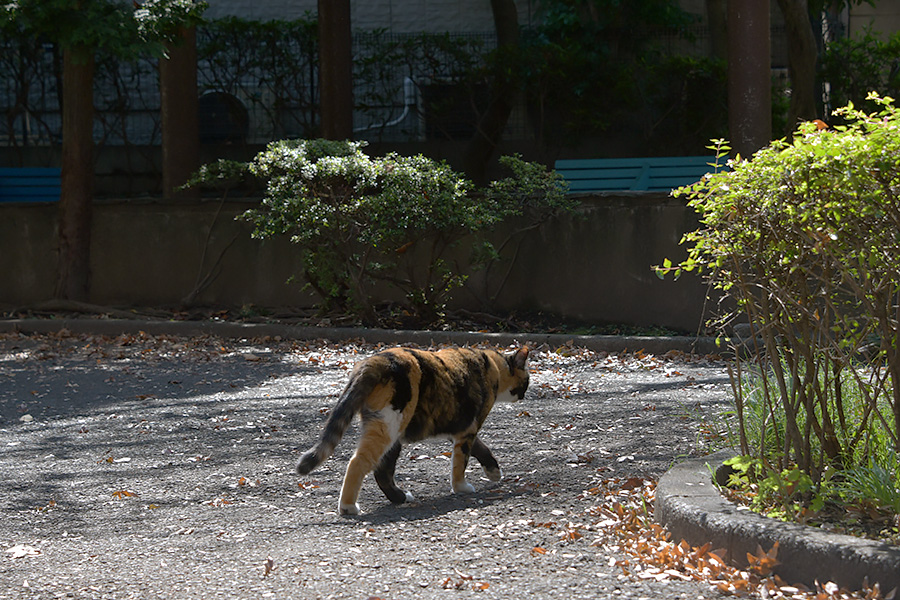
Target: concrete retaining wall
[(592, 267)]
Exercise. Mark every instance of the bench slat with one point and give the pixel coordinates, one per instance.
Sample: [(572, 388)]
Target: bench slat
[(602, 174), (30, 181), (29, 171), (608, 184)]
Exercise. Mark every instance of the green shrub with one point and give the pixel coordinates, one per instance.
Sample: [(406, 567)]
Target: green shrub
[(802, 240), (853, 66), (377, 229)]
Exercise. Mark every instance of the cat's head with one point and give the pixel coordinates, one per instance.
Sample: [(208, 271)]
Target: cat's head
[(515, 381)]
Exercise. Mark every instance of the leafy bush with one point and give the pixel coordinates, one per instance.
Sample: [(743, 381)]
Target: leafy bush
[(386, 228), (802, 240), (855, 66)]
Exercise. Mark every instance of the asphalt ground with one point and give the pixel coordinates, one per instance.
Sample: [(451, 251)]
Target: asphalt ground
[(161, 466)]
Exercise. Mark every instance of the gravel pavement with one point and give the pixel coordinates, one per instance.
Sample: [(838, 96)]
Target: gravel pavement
[(146, 466)]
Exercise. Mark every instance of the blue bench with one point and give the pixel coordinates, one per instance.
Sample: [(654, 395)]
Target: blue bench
[(634, 174), (29, 184)]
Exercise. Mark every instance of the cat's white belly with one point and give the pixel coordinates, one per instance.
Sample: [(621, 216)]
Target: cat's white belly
[(507, 396), (392, 419)]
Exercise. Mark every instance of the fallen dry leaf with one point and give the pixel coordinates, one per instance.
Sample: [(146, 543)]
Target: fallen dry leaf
[(763, 562)]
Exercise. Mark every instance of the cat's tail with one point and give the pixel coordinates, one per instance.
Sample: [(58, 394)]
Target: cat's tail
[(351, 401)]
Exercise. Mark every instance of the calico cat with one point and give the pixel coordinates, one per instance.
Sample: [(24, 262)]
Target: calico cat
[(405, 395)]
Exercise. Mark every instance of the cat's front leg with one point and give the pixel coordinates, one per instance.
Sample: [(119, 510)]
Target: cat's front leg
[(462, 448), (489, 464)]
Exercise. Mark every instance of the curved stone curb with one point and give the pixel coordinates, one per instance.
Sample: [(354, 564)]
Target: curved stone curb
[(607, 343), (690, 506)]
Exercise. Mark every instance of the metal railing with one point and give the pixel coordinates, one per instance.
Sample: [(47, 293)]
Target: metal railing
[(258, 82)]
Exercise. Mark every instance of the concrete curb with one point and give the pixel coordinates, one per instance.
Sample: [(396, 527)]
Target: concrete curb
[(690, 506), (226, 329)]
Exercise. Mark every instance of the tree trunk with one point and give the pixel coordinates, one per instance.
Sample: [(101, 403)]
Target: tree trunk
[(490, 128), (335, 70), (749, 76), (180, 133), (802, 57), (76, 199)]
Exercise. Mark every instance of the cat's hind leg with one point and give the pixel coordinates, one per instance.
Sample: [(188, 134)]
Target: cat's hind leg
[(489, 464), (462, 448), (384, 476), (377, 437)]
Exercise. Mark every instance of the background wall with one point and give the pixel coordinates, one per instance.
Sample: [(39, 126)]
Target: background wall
[(592, 267), (883, 18), (398, 16)]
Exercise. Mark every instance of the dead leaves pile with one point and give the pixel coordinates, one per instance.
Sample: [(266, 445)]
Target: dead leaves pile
[(625, 516), (144, 347), (129, 346)]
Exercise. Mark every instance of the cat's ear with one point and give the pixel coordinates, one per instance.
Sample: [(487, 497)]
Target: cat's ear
[(519, 358)]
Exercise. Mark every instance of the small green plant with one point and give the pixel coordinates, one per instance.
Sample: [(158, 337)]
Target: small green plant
[(876, 484), (375, 230), (786, 494)]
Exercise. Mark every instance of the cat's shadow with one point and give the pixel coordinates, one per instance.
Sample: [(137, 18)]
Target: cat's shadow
[(429, 507)]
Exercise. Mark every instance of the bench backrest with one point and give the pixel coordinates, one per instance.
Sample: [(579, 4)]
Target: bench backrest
[(29, 184), (644, 174)]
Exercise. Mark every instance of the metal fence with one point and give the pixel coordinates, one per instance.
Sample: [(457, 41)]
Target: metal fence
[(258, 82)]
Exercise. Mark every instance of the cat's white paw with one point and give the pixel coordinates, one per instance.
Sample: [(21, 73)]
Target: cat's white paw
[(494, 475), (349, 509), (463, 488)]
